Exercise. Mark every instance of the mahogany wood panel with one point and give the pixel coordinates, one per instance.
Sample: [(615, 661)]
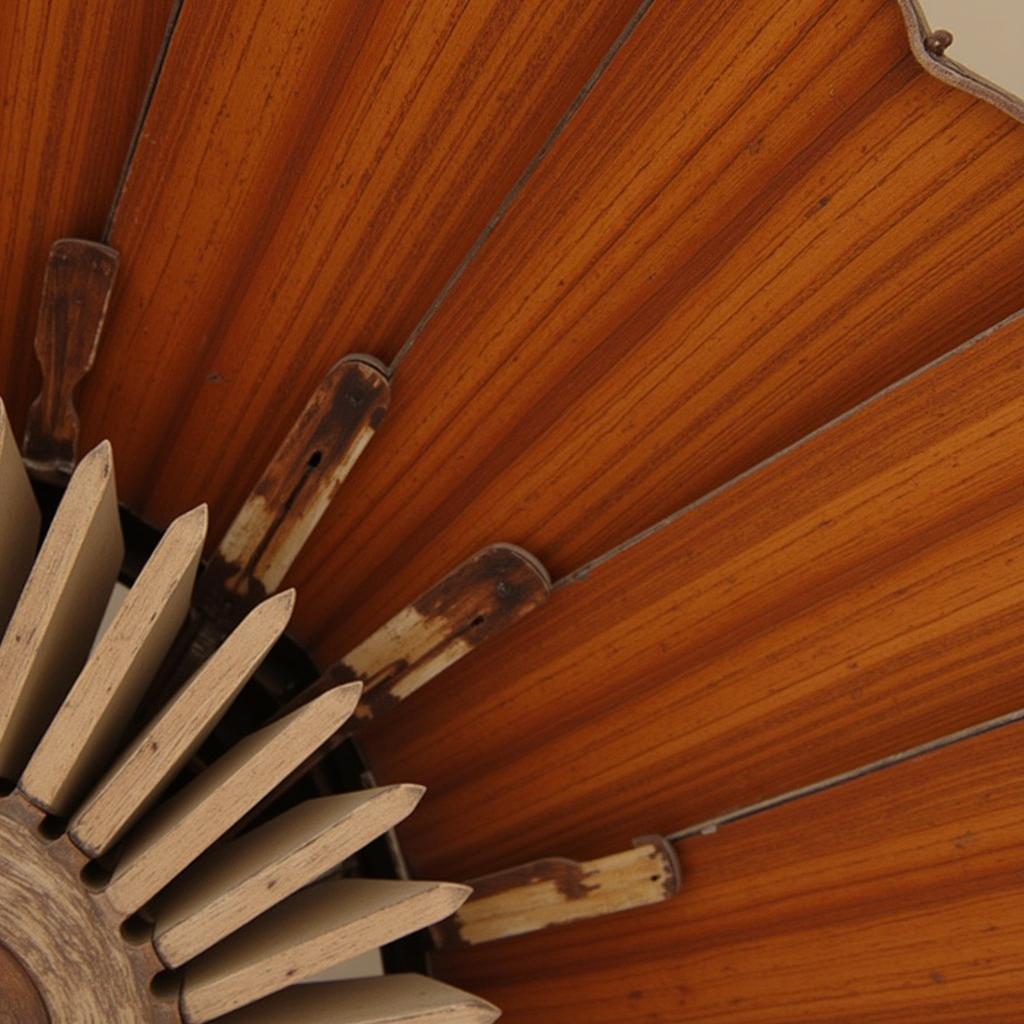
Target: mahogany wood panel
[(763, 213), (894, 898), (73, 78), (855, 596), (309, 176)]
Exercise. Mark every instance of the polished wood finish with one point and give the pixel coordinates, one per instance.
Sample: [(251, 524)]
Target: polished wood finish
[(856, 595), (76, 290), (73, 80), (894, 898), (762, 214), (309, 177)]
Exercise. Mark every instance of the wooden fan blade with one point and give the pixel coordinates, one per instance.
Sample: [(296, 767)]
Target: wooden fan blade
[(55, 621), (234, 883), (393, 999), (129, 788), (187, 824), (317, 928), (81, 739), (19, 521)]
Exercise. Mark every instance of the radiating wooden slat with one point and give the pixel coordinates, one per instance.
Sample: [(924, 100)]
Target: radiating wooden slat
[(892, 898), (854, 596), (178, 831), (310, 175), (19, 521), (76, 291), (311, 931), (763, 213), (82, 738), (55, 621), (236, 881), (393, 999), (159, 752), (73, 78)]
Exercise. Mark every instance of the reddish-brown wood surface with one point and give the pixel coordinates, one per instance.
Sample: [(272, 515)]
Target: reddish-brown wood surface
[(73, 77), (857, 595), (763, 213), (309, 176), (894, 898)]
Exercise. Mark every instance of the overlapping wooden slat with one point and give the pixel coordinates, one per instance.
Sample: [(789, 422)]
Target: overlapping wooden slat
[(19, 521), (73, 78), (159, 752), (317, 928), (763, 213), (854, 596), (53, 626), (892, 898), (310, 175)]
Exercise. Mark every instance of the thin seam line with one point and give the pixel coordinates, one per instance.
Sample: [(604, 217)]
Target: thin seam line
[(712, 825), (520, 184), (588, 567)]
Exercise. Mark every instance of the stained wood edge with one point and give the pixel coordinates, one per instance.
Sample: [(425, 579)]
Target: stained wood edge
[(77, 286), (556, 890), (951, 72), (297, 486)]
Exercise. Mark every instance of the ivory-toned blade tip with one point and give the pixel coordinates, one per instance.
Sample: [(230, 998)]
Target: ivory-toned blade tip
[(102, 454), (194, 518)]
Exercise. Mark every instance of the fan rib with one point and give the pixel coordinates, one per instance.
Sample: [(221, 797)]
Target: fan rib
[(317, 928), (19, 521), (61, 606), (82, 738), (183, 827), (135, 781), (392, 999), (234, 883)]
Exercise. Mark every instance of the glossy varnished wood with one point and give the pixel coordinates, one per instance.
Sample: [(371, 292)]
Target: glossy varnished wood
[(763, 213), (309, 176), (73, 77), (857, 595), (894, 898)]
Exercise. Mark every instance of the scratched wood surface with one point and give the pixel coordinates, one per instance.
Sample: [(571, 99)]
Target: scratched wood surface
[(73, 78), (310, 175), (894, 898), (857, 595), (743, 231)]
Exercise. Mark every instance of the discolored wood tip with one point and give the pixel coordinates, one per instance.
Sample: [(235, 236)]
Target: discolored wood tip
[(100, 459), (525, 558)]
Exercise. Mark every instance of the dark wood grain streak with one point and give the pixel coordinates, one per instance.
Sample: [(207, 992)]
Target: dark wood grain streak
[(743, 232), (73, 79), (894, 898), (309, 176), (858, 595)]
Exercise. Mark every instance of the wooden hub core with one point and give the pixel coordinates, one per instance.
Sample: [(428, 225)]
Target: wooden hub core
[(63, 957)]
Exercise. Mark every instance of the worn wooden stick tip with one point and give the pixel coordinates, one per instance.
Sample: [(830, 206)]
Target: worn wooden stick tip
[(77, 286)]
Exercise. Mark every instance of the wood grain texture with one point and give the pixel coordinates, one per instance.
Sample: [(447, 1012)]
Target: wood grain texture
[(19, 521), (73, 78), (894, 898), (857, 595), (763, 213), (309, 176), (54, 624), (317, 928)]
